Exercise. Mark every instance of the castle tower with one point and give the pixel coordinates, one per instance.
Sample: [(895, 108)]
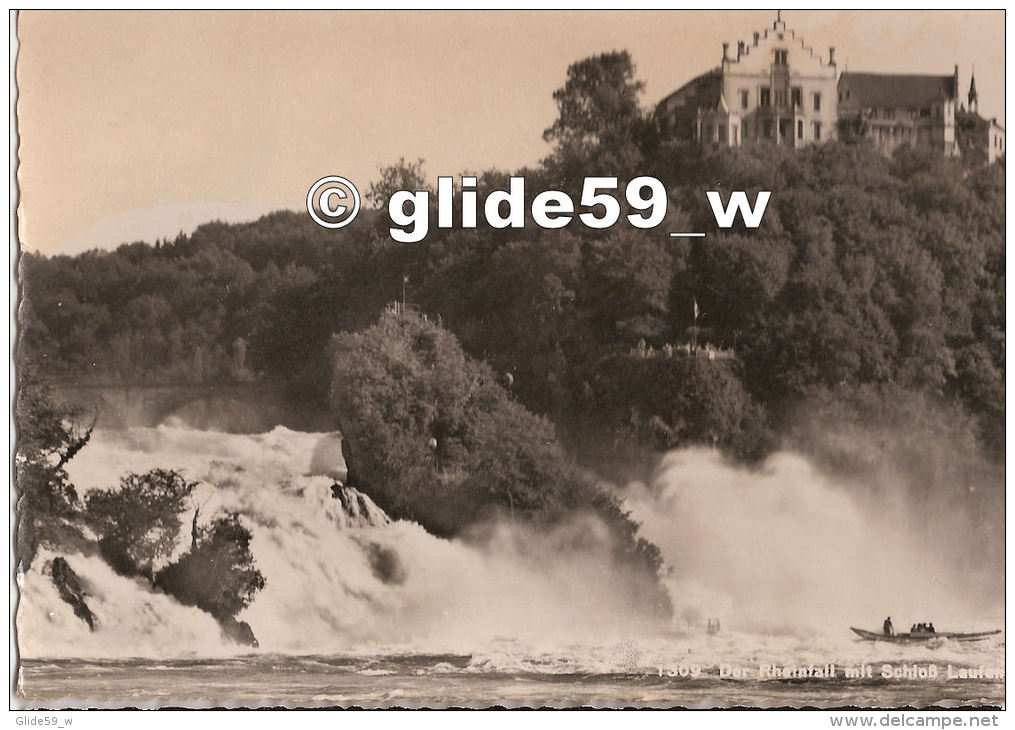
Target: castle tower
[(973, 98), (781, 90), (773, 90)]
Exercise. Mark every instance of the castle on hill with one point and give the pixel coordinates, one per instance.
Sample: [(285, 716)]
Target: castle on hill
[(777, 90)]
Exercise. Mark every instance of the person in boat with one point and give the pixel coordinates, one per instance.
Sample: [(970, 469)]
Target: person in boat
[(930, 628), (912, 629), (887, 627)]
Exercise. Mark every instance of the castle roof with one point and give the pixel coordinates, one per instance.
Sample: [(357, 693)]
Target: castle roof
[(701, 91), (898, 90)]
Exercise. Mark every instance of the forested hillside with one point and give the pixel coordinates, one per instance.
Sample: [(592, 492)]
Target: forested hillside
[(870, 280)]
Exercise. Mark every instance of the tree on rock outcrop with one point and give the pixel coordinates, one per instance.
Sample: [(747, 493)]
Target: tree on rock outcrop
[(217, 574), (139, 521), (430, 435)]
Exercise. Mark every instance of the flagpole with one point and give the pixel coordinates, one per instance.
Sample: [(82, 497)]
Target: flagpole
[(694, 329)]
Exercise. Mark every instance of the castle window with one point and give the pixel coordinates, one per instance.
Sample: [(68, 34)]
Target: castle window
[(889, 114), (743, 98), (768, 128), (817, 131), (780, 98), (736, 134), (766, 96), (800, 129), (817, 101), (797, 96), (925, 112), (781, 58), (722, 133)]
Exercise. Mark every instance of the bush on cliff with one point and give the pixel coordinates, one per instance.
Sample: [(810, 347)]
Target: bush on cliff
[(431, 436)]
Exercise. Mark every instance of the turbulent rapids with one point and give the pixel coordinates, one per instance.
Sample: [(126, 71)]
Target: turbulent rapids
[(340, 575), (345, 580)]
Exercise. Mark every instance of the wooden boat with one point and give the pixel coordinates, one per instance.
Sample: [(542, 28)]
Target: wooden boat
[(923, 635)]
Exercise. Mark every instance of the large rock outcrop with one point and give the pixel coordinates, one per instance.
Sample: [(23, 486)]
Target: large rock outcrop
[(69, 586), (238, 632), (429, 435)]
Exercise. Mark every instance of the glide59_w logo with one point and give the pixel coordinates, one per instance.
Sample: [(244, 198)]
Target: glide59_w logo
[(600, 203)]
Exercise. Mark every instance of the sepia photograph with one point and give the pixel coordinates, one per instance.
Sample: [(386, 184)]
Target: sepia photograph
[(508, 359)]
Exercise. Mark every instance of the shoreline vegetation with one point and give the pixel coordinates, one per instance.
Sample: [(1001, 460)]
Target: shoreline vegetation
[(519, 370)]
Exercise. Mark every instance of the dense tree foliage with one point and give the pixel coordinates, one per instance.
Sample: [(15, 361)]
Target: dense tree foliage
[(600, 124), (666, 402), (225, 304), (138, 522), (867, 272)]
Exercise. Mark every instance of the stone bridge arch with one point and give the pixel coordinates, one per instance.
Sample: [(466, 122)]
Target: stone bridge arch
[(243, 407)]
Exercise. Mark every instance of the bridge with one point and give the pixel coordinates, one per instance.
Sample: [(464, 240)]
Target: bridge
[(242, 407)]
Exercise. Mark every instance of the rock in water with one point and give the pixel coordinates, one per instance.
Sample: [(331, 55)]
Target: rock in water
[(238, 632), (69, 586), (327, 458), (357, 510), (384, 563)]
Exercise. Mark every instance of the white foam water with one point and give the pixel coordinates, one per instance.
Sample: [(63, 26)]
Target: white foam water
[(340, 575), (783, 547), (783, 556)]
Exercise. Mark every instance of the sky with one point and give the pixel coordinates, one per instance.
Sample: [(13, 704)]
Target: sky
[(140, 125)]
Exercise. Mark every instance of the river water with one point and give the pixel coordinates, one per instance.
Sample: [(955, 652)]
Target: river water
[(785, 558), (416, 680)]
